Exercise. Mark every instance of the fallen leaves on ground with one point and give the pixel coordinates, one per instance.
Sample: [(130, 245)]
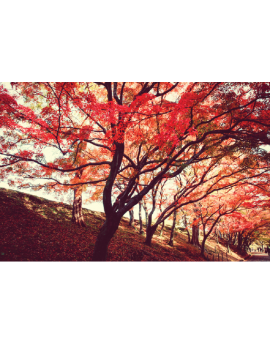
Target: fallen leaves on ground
[(37, 229)]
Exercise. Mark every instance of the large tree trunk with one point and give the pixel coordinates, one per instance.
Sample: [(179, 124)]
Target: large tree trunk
[(105, 235), (112, 218), (173, 229), (77, 215), (140, 218), (149, 234), (195, 235)]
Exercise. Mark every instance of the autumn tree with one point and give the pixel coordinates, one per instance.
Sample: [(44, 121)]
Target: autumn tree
[(167, 126)]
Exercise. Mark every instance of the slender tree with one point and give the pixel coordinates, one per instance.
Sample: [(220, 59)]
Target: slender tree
[(173, 229)]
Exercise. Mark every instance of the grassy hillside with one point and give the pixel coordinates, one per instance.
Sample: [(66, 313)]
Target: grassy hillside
[(37, 229)]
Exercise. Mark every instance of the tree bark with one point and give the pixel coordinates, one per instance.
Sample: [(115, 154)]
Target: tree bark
[(203, 246), (150, 230), (234, 239), (173, 229), (131, 216), (77, 215), (186, 226), (240, 241), (195, 235), (149, 234), (112, 217), (140, 218), (217, 237), (188, 236), (161, 230), (104, 237), (146, 217)]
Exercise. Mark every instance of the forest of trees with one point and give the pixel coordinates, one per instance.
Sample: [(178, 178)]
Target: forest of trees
[(192, 153)]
